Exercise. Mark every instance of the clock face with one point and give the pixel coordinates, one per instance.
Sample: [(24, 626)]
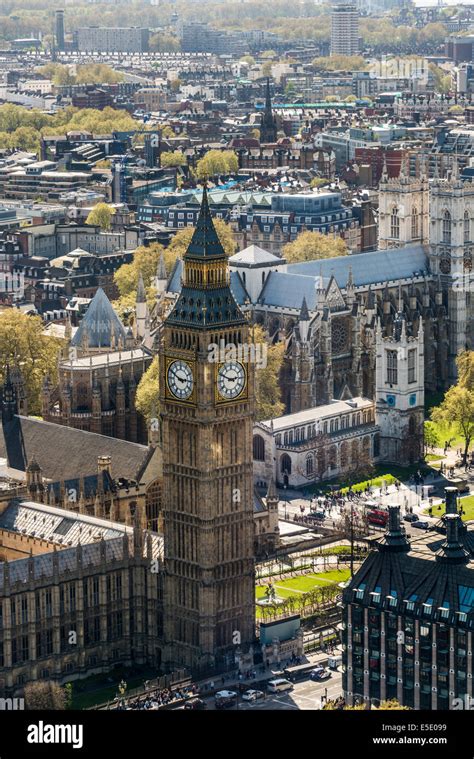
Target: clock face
[(180, 380), (230, 380)]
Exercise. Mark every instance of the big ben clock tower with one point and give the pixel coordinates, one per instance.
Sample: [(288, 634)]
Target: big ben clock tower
[(207, 409)]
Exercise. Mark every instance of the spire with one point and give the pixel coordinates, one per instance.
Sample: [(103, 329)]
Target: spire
[(268, 131), (384, 177), (304, 313), (161, 270), (205, 242), (141, 296), (272, 494), (350, 279)]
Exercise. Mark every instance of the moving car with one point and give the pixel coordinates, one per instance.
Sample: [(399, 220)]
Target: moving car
[(225, 698), (317, 514), (320, 674), (278, 685), (410, 518), (252, 695), (195, 703)]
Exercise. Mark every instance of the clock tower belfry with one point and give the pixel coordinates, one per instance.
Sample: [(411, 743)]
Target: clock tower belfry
[(207, 410)]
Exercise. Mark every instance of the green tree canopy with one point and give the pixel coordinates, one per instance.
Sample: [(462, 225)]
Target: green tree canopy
[(311, 246), (267, 386), (176, 158), (217, 162), (340, 63), (24, 344), (101, 216), (148, 392), (457, 407)]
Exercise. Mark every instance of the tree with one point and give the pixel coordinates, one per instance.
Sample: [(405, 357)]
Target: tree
[(101, 216), (340, 63), (23, 344), (148, 393), (217, 162), (46, 695), (465, 364), (248, 59), (311, 246), (318, 182), (442, 82), (431, 436), (457, 407), (176, 158), (267, 387), (145, 262), (175, 84)]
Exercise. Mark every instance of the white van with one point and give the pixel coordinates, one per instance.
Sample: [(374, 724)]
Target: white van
[(281, 684)]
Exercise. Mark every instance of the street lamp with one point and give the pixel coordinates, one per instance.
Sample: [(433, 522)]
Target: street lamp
[(286, 499)]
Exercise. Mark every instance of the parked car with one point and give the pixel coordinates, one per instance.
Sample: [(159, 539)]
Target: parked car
[(252, 695), (420, 524), (410, 518), (320, 674), (317, 514)]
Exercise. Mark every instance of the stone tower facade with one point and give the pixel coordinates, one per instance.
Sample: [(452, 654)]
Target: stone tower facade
[(207, 410), (452, 245), (400, 393), (403, 209)]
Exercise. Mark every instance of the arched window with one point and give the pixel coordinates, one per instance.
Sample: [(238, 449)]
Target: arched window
[(446, 232), (376, 445), (285, 464), (278, 439), (467, 227), (344, 455), (412, 426), (309, 466), (258, 448), (415, 226), (395, 224)]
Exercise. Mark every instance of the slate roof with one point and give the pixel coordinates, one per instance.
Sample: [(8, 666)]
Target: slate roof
[(101, 323), (288, 290), (67, 453), (367, 268), (430, 573)]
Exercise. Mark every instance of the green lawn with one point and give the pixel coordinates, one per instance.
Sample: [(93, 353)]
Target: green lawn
[(292, 586), (433, 457), (467, 505)]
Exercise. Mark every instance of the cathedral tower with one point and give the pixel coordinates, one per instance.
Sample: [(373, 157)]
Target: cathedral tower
[(400, 393), (452, 245), (207, 410), (403, 209)]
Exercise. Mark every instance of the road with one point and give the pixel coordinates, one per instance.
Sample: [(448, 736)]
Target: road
[(306, 695)]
